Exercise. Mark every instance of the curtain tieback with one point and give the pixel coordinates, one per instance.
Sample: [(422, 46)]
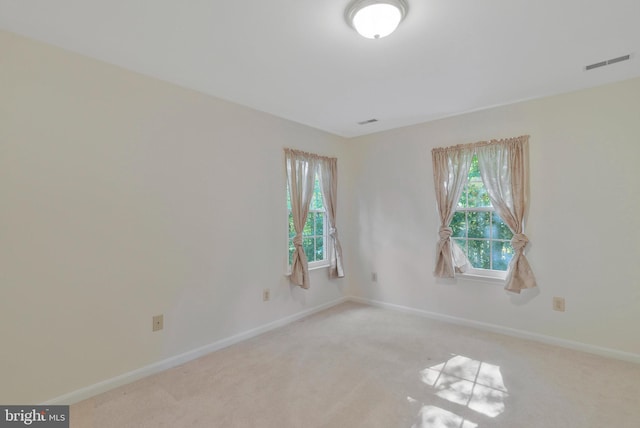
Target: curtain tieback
[(519, 241), (333, 232), (297, 240), (445, 233)]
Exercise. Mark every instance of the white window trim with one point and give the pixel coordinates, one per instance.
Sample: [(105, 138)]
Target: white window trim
[(478, 274), (327, 244), (320, 264), (474, 273)]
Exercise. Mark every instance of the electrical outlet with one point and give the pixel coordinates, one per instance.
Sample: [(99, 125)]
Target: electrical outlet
[(374, 277), (158, 323), (558, 304), (266, 295)]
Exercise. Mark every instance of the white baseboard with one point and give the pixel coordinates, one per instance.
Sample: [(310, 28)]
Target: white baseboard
[(123, 379), (578, 346)]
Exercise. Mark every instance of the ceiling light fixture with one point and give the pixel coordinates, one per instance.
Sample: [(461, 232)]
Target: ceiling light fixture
[(375, 19)]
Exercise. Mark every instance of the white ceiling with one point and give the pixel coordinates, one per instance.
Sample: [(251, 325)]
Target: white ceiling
[(298, 59)]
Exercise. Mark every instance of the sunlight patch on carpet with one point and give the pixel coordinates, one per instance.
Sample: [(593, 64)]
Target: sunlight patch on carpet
[(435, 417), (471, 383)]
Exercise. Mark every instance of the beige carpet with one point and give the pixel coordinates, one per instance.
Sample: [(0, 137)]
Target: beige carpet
[(358, 366)]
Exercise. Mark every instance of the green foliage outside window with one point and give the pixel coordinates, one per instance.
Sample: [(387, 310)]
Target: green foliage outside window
[(313, 234), (478, 229)]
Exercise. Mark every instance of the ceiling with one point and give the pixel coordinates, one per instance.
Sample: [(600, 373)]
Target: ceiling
[(298, 59)]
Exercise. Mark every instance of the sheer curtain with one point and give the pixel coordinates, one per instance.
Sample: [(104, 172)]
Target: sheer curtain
[(329, 180), (504, 168), (301, 169), (450, 171)]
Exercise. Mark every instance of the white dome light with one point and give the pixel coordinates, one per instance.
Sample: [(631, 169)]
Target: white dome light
[(376, 19)]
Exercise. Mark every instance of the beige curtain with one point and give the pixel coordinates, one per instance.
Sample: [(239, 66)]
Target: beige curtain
[(329, 179), (504, 170), (301, 169), (450, 171)]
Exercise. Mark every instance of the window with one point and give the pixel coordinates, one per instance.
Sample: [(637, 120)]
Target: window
[(314, 234), (472, 234), (479, 231)]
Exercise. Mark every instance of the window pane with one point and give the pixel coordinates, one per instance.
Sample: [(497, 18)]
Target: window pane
[(474, 170), (316, 201), (459, 224), (500, 228), (481, 228), (483, 197), (478, 224), (485, 200), (502, 253), (478, 196), (320, 248), (478, 254), (312, 223), (319, 224), (292, 230), (308, 226), (291, 250), (307, 244), (462, 203), (462, 243)]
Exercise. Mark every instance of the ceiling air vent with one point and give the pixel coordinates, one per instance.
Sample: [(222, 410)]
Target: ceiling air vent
[(607, 62), (366, 122)]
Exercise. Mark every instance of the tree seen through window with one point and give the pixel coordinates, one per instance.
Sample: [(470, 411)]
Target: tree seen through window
[(477, 229), (313, 235)]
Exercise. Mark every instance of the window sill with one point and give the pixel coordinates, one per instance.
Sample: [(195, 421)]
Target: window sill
[(317, 267), (322, 266), (481, 278)]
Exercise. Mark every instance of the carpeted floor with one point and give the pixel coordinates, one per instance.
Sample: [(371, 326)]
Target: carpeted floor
[(359, 366)]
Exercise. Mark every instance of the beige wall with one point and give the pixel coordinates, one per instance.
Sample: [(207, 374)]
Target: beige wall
[(123, 197), (583, 223)]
